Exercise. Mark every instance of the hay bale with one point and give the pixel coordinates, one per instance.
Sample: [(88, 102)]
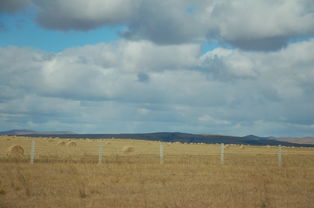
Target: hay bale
[(62, 143), (16, 152), (128, 149), (241, 146), (71, 144)]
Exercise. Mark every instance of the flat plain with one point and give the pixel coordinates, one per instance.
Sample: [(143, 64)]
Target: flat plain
[(66, 173)]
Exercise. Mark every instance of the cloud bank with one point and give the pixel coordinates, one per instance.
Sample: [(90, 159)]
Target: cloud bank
[(155, 77), (253, 25), (136, 86)]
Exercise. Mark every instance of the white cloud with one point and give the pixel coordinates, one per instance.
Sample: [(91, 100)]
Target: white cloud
[(246, 24), (260, 19), (140, 86), (156, 79), (84, 15), (261, 25)]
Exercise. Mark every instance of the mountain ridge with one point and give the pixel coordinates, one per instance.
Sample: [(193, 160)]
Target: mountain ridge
[(166, 137), (18, 132)]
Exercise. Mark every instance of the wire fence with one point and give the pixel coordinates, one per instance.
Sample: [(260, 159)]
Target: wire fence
[(102, 151)]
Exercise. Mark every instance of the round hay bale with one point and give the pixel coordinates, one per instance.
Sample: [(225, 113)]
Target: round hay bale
[(16, 152), (62, 143), (241, 147), (128, 149), (71, 144), (50, 140)]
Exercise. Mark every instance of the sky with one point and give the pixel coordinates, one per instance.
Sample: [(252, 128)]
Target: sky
[(132, 66)]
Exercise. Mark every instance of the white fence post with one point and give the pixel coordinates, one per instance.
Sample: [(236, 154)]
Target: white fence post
[(161, 153), (33, 151), (222, 151), (279, 156), (100, 153)]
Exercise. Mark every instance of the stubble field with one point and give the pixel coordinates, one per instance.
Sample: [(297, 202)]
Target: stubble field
[(66, 173)]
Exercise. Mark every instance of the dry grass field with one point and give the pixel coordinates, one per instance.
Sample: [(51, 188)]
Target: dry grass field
[(66, 173)]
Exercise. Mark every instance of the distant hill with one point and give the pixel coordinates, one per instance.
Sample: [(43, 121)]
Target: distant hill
[(304, 140), (31, 132), (167, 137), (17, 132), (296, 140), (258, 137)]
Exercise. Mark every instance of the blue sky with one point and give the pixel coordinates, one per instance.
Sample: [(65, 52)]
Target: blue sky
[(20, 30), (121, 66)]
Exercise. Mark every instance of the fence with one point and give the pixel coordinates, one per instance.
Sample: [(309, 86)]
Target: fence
[(122, 150)]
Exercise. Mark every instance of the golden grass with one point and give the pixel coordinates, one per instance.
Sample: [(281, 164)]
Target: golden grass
[(191, 176)]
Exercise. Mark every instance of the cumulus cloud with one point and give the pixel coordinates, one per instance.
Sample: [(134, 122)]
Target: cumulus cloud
[(256, 25), (84, 15), (104, 70), (166, 22), (246, 24), (157, 76), (262, 25), (12, 5), (121, 87)]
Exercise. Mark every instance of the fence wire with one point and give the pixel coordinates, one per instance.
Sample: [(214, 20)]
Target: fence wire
[(19, 149)]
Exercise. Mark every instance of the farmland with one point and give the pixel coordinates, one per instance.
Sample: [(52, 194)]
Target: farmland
[(66, 173)]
